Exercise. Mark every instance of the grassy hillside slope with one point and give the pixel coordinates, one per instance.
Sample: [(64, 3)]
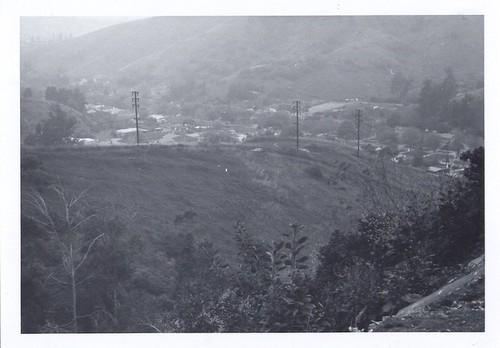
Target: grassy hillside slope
[(267, 190)]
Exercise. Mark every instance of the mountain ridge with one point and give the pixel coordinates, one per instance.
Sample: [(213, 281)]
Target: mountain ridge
[(331, 57)]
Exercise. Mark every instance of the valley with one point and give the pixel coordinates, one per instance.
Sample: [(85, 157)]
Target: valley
[(252, 174)]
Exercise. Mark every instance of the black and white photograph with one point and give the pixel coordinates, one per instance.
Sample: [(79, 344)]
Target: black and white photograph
[(280, 174)]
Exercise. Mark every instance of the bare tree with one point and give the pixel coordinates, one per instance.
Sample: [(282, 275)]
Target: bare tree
[(67, 229)]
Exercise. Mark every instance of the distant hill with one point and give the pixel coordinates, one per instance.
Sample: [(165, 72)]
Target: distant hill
[(45, 28), (282, 57), (205, 191)]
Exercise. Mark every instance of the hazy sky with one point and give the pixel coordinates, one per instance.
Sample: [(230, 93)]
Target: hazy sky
[(48, 27)]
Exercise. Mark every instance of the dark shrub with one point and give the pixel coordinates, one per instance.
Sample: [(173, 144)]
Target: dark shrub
[(315, 171)]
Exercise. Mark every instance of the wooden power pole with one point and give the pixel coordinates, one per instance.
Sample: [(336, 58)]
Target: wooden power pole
[(296, 107), (135, 99), (358, 116)]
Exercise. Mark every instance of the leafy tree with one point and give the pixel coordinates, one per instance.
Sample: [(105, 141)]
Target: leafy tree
[(418, 159), (216, 137), (188, 89), (73, 98), (411, 137), (290, 131), (51, 93), (432, 140), (388, 136), (242, 91), (290, 306), (27, 93), (318, 125), (428, 101), (459, 223), (76, 100), (106, 295), (347, 130), (35, 262), (258, 269), (393, 254), (278, 120), (456, 144), (394, 120), (435, 103), (467, 113), (56, 130), (448, 88), (347, 285), (400, 85)]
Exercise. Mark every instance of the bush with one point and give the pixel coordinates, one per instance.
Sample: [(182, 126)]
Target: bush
[(315, 148), (432, 140), (56, 130), (390, 259), (459, 223), (32, 173), (217, 137), (30, 162), (394, 120), (315, 171), (403, 254)]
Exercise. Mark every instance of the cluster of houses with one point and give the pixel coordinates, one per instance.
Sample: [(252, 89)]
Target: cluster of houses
[(158, 129), (437, 161), (169, 130), (93, 108)]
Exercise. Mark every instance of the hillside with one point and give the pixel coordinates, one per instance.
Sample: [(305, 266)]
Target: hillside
[(343, 240), (42, 29), (281, 57), (217, 187), (34, 111)]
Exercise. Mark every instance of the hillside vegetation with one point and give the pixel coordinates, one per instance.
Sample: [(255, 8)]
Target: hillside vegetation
[(331, 57), (239, 230), (138, 239), (267, 189), (34, 111)]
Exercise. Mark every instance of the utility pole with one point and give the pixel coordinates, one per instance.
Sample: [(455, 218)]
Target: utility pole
[(135, 99), (296, 107), (358, 116)]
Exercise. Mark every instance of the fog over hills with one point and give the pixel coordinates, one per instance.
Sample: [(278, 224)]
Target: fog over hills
[(326, 57), (43, 28)]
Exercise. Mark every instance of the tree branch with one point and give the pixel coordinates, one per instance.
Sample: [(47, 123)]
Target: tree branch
[(152, 326), (38, 202), (59, 189), (88, 250), (83, 281), (75, 199), (83, 221), (57, 280)]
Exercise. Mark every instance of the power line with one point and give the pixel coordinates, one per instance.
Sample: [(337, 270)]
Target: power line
[(296, 108), (135, 99), (358, 116)]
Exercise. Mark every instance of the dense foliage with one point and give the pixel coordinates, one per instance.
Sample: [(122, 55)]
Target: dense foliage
[(84, 271), (442, 108), (56, 130), (71, 97), (400, 85)]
